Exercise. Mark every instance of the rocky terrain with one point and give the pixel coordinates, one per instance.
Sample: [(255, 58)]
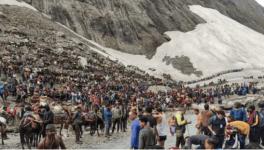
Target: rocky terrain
[(137, 26), (35, 41)]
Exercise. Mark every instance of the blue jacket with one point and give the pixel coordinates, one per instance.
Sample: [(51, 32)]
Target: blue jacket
[(135, 129), (2, 88), (107, 115), (239, 114)]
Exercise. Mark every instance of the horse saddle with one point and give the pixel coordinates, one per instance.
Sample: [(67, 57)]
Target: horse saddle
[(89, 116)]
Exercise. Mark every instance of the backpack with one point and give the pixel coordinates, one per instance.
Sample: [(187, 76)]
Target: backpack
[(261, 118)]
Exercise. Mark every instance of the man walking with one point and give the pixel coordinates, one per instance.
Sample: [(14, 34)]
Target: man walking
[(48, 118), (205, 115), (217, 126), (52, 140), (77, 121), (161, 127), (135, 129), (116, 118), (107, 119), (180, 128), (146, 135)]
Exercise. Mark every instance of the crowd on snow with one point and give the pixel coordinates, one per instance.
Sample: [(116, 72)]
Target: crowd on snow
[(215, 75), (107, 88)]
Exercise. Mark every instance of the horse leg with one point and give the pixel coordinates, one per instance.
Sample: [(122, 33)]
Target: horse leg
[(68, 131), (2, 135), (39, 136), (27, 141), (22, 140), (81, 130), (97, 130), (61, 128), (35, 139), (31, 141)]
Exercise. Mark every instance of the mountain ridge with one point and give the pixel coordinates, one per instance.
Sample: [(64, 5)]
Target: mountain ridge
[(138, 26)]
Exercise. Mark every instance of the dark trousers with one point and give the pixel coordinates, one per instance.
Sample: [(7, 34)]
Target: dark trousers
[(242, 140), (77, 131), (2, 96), (44, 130), (124, 124), (220, 139), (262, 135), (254, 135), (116, 122), (206, 131), (107, 127), (180, 141)]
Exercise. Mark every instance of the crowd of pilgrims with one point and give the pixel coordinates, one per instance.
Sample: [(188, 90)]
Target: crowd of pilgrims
[(240, 128), (111, 88)]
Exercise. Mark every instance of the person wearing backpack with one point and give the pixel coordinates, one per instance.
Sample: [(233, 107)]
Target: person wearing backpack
[(253, 121), (261, 125), (217, 125), (238, 113)]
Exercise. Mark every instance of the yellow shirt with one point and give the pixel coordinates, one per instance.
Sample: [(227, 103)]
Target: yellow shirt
[(242, 126), (180, 122)]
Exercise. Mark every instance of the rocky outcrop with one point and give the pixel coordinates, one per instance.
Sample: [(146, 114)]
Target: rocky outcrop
[(182, 64), (137, 26)]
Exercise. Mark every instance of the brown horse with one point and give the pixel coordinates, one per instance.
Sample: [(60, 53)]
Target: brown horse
[(30, 132), (64, 120), (94, 121)]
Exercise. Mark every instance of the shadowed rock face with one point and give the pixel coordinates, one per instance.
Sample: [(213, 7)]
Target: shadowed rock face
[(137, 26)]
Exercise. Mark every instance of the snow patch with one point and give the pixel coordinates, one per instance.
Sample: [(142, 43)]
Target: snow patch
[(261, 2), (16, 3), (220, 44)]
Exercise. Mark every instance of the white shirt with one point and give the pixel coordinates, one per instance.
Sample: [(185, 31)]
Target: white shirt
[(161, 127)]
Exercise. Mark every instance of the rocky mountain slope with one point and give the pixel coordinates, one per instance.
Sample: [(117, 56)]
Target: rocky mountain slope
[(137, 26), (199, 42), (29, 39)]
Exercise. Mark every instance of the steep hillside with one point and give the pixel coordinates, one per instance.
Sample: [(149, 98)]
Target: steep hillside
[(137, 26), (205, 42), (29, 39), (218, 45)]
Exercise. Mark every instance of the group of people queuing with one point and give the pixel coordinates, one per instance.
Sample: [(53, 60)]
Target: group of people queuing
[(148, 129), (229, 129), (239, 128)]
